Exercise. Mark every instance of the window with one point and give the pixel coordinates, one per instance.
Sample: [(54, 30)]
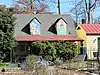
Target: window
[(95, 54), (35, 27), (22, 47), (61, 27), (78, 28)]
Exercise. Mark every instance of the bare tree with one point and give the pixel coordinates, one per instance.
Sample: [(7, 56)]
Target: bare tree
[(97, 20), (90, 6), (86, 8), (30, 6), (78, 10)]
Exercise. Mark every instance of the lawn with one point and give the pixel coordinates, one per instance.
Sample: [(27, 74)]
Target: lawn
[(50, 70), (8, 65)]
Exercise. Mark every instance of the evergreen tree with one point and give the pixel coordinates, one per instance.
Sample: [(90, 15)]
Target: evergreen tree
[(7, 23)]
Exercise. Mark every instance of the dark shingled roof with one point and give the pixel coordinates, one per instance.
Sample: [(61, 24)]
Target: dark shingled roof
[(46, 20)]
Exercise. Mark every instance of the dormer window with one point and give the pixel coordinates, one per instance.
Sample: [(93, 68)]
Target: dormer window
[(61, 27), (35, 27)]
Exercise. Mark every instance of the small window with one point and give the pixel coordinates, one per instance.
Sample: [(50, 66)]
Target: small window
[(61, 27), (78, 28), (95, 54), (23, 47), (35, 27)]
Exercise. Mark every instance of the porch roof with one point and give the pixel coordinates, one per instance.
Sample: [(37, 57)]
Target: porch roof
[(91, 28), (52, 38)]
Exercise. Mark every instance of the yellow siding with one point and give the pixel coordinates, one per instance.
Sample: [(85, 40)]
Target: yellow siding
[(90, 41), (81, 33)]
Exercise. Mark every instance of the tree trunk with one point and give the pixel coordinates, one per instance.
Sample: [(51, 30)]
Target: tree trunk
[(89, 12), (59, 6), (88, 17)]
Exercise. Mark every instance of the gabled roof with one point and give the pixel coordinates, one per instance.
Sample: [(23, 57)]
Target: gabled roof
[(53, 27), (91, 28), (46, 20), (35, 19)]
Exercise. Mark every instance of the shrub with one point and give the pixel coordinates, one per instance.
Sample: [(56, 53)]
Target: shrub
[(58, 62), (50, 50), (30, 61)]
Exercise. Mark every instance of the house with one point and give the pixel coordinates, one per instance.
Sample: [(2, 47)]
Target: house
[(50, 27), (90, 33)]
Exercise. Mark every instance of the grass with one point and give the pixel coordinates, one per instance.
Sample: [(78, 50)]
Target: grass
[(8, 65), (4, 65), (43, 71), (76, 65)]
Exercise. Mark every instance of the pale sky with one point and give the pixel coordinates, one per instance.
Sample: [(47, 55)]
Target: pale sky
[(65, 6)]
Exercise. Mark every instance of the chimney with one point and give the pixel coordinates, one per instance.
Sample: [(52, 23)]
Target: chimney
[(83, 21)]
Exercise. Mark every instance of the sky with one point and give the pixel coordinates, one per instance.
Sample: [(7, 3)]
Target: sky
[(8, 3), (65, 6)]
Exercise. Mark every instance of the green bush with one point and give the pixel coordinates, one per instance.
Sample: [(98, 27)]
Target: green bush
[(50, 50), (65, 50)]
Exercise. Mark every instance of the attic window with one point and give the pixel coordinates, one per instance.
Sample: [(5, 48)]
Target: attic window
[(35, 27), (78, 28), (61, 27)]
